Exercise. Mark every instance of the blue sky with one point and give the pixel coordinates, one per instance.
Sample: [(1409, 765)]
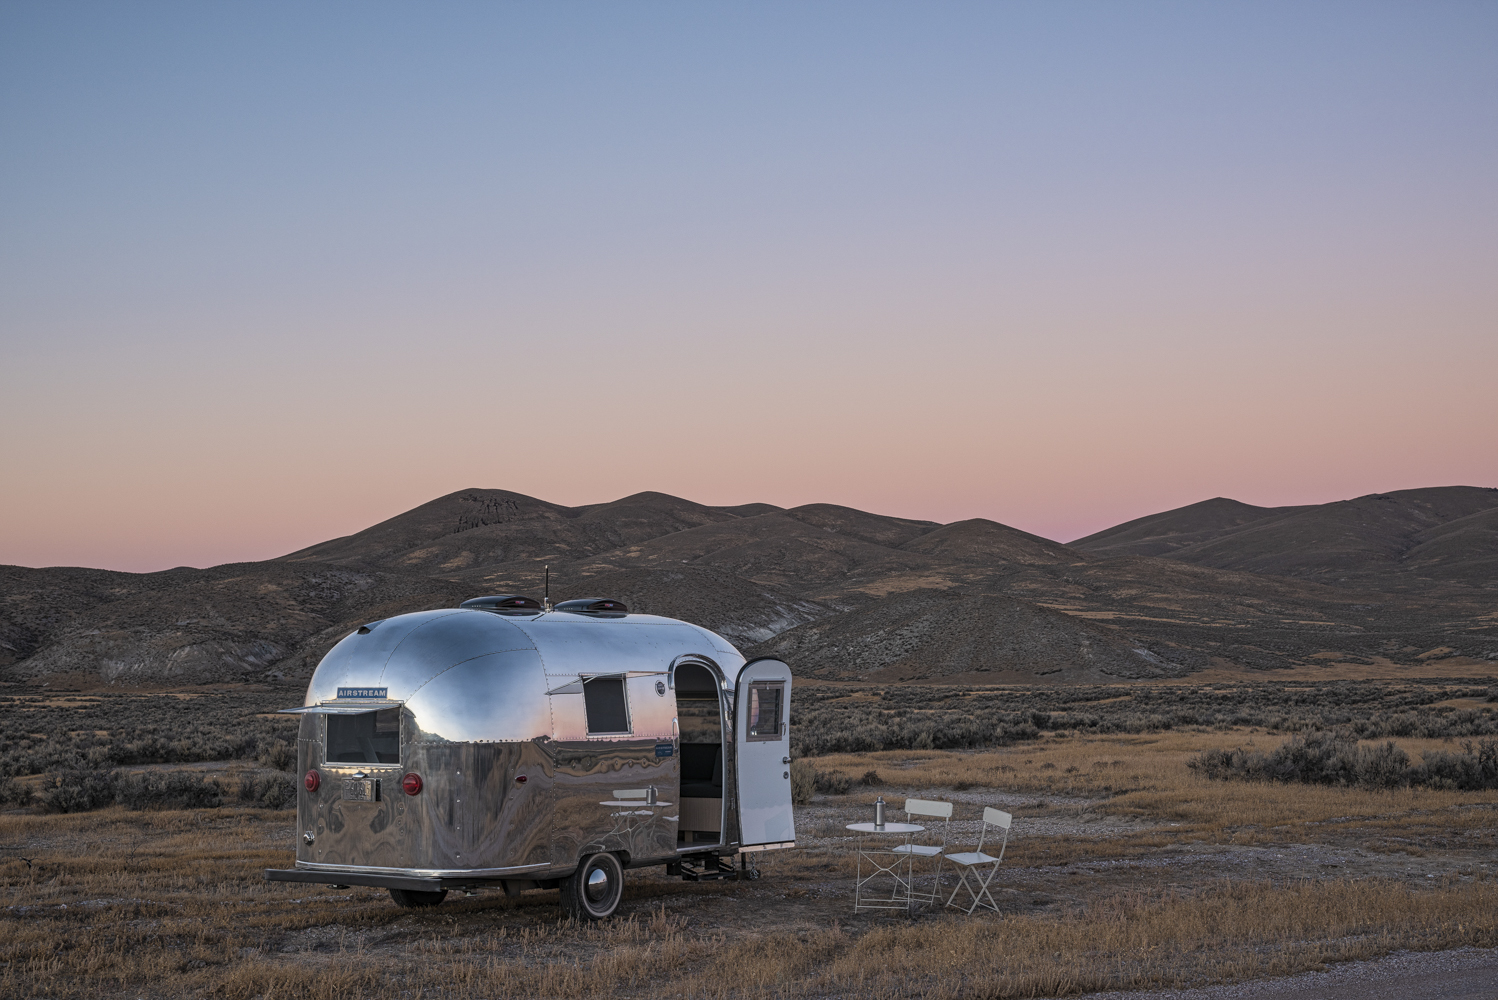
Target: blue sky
[(271, 272)]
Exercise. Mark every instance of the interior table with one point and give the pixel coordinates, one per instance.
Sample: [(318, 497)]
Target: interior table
[(884, 863)]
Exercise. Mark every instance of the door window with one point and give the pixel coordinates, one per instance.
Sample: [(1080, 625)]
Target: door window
[(365, 738), (608, 712), (765, 702)]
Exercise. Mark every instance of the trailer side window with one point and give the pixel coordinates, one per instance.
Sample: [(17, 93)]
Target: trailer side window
[(765, 702), (603, 698), (365, 738)]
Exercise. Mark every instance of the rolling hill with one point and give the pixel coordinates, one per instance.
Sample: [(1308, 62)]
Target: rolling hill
[(1405, 540), (844, 594)]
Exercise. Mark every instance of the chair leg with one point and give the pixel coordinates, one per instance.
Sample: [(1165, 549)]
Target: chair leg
[(977, 893), (957, 888), (936, 880), (962, 884), (974, 873), (994, 870)]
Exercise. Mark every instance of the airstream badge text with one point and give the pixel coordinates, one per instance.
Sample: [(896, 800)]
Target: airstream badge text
[(362, 692)]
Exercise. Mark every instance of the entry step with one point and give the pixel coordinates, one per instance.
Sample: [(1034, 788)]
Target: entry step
[(706, 867)]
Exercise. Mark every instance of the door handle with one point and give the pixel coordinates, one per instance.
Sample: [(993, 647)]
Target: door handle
[(785, 760)]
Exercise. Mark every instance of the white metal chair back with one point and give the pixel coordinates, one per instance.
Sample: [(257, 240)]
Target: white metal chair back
[(928, 807), (925, 808), (1000, 819)]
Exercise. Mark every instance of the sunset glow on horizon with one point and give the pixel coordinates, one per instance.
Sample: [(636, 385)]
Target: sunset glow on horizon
[(274, 273)]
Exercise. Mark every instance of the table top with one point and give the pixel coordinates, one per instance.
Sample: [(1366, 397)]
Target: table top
[(635, 802), (887, 828)]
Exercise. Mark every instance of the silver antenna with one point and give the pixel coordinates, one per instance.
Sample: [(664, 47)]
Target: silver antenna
[(546, 596)]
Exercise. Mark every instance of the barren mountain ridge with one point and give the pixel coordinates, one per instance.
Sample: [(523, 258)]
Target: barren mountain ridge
[(1398, 578)]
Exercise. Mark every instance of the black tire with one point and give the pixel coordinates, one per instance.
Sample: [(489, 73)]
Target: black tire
[(594, 890), (415, 897)]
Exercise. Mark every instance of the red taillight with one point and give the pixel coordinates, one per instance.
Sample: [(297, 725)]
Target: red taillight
[(312, 780), (411, 783), (519, 779)]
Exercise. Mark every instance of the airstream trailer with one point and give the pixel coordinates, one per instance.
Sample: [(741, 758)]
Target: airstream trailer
[(505, 744)]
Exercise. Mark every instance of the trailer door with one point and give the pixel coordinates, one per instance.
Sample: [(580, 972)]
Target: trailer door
[(762, 743)]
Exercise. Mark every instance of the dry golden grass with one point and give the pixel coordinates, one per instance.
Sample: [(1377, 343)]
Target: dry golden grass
[(1227, 932), (115, 903), (1146, 778)]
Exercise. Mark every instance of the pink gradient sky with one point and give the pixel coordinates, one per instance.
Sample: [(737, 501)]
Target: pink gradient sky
[(268, 276)]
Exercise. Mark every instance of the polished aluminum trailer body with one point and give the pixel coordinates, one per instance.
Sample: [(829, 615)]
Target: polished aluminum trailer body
[(517, 784)]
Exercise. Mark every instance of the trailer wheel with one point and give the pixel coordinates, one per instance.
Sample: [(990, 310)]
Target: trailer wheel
[(594, 890), (415, 897)]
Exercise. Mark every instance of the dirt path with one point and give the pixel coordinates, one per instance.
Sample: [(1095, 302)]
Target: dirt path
[(1462, 974)]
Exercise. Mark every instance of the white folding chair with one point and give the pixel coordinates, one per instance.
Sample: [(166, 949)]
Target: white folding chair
[(936, 810), (973, 862)]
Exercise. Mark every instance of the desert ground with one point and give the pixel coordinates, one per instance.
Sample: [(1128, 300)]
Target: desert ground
[(1126, 870)]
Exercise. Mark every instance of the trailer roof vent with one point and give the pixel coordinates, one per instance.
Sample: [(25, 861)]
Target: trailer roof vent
[(505, 604), (600, 607)]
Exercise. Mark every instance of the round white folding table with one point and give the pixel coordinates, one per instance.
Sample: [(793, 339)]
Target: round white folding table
[(884, 863)]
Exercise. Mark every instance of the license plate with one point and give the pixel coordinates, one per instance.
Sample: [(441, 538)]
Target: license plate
[(358, 790)]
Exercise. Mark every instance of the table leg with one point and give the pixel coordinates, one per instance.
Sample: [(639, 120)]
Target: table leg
[(899, 896)]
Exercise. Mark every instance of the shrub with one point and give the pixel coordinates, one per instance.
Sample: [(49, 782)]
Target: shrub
[(803, 782), (1326, 759), (1474, 769), (40, 735), (79, 791), (1384, 766), (167, 790), (833, 784), (1312, 758), (281, 756), (935, 717), (76, 791), (277, 791), (13, 792)]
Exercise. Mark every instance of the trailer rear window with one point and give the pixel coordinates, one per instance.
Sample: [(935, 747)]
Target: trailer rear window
[(366, 738), (604, 701)]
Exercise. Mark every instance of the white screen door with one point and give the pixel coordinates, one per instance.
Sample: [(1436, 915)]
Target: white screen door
[(762, 707)]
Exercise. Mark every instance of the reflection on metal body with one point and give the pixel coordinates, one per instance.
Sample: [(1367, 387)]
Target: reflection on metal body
[(588, 773), (486, 700)]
